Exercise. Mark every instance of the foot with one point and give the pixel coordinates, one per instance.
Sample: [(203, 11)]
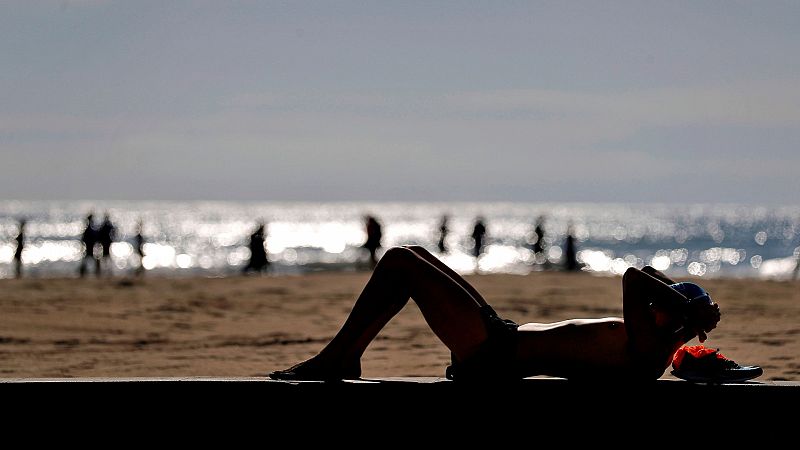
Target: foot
[(315, 369)]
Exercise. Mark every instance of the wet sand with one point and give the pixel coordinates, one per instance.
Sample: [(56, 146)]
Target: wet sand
[(248, 326)]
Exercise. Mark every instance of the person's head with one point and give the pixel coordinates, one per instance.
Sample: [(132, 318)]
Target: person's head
[(692, 292)]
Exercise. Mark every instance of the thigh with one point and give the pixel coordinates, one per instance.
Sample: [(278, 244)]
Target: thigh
[(450, 310)]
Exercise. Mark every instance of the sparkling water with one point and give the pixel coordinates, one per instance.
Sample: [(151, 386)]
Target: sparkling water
[(211, 238)]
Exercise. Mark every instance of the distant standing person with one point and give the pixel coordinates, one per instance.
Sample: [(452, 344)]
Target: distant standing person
[(478, 233), (258, 252), (443, 230), (20, 245), (374, 236), (570, 251), (139, 247), (106, 235), (89, 239), (538, 236)]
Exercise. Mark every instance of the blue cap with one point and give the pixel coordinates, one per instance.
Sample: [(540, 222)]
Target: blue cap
[(692, 292)]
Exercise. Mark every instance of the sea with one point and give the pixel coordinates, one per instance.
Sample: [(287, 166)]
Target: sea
[(210, 238)]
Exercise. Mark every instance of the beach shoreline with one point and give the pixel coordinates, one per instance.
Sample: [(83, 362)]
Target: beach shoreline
[(251, 325)]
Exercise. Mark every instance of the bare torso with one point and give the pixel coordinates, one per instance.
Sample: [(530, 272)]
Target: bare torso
[(576, 347)]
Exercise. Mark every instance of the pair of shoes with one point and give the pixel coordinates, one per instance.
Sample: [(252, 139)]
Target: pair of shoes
[(700, 364)]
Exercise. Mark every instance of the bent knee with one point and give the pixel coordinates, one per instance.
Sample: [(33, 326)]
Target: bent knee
[(416, 249), (398, 260), (401, 253)]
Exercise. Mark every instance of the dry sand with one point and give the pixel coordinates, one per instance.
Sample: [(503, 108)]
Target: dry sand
[(245, 326)]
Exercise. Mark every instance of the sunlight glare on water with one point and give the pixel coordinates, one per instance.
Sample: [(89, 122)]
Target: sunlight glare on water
[(212, 237)]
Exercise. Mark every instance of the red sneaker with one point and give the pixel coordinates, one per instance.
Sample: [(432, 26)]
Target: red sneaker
[(705, 365)]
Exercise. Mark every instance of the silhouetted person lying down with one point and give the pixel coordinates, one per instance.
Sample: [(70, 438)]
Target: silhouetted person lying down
[(658, 320)]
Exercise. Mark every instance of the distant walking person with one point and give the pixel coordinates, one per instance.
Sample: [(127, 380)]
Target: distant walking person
[(374, 236), (139, 247), (443, 230), (105, 236), (478, 233), (570, 251), (258, 252), (20, 245), (89, 239), (537, 240), (797, 264)]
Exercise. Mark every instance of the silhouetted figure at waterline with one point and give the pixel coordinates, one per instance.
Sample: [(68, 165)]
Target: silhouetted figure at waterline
[(105, 237), (570, 251), (258, 252), (537, 238), (373, 242), (478, 234), (18, 252), (443, 230), (89, 240), (797, 264), (138, 246)]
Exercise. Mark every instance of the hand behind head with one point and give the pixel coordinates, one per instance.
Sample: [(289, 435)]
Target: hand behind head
[(703, 317)]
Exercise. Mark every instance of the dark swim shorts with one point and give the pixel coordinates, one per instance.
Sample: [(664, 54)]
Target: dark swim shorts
[(496, 357)]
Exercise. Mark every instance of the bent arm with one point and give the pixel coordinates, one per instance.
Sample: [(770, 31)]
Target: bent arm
[(654, 318), (697, 317)]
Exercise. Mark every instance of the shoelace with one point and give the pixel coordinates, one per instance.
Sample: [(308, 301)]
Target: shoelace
[(727, 363)]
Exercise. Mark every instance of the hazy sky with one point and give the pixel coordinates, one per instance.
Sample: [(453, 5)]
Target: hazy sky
[(695, 101)]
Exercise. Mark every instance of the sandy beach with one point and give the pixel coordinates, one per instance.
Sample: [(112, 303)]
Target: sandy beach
[(246, 326)]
